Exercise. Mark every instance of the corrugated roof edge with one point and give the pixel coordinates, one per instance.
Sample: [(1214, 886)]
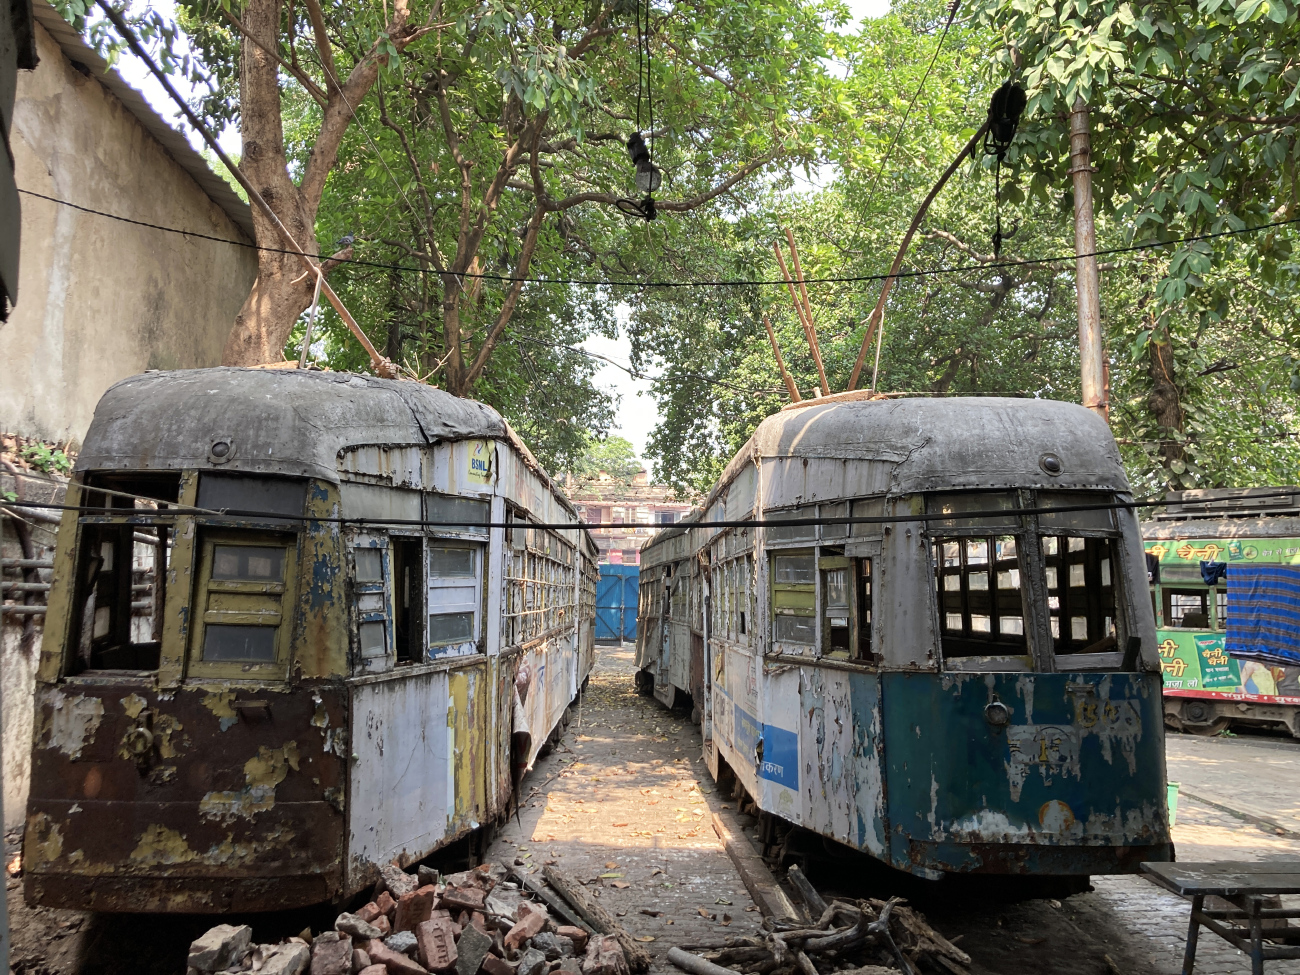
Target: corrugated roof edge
[(176, 145)]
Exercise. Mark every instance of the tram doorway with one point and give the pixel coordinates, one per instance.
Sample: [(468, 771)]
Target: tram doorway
[(407, 564)]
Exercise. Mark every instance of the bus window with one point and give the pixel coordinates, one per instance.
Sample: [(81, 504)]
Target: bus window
[(794, 607), (981, 611), (1187, 608), (1080, 593), (453, 601), (242, 605)]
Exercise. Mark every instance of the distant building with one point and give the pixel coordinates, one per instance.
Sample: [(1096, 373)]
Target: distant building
[(635, 511)]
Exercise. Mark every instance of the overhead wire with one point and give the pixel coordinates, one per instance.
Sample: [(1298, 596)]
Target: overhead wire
[(707, 282), (971, 517)]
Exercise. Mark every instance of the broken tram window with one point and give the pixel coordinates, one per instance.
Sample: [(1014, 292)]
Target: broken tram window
[(981, 610)]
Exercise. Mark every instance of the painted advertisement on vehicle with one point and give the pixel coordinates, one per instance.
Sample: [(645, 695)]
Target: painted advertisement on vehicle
[(1195, 663)]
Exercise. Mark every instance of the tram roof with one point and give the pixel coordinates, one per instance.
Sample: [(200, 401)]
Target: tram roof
[(280, 421), (950, 443)]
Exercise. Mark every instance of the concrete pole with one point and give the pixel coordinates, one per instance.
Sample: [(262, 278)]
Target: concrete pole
[(1091, 353)]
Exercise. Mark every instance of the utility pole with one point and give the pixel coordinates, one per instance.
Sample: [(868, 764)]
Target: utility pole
[(1091, 353)]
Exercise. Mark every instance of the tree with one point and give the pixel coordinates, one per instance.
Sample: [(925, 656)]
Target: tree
[(506, 142), (1194, 117), (611, 455)]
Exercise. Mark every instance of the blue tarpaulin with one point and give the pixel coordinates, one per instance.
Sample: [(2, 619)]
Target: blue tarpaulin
[(1264, 613), (616, 600)]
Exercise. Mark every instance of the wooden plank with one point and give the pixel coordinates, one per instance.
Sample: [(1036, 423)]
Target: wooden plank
[(758, 880), (557, 906), (638, 959), (1227, 879)]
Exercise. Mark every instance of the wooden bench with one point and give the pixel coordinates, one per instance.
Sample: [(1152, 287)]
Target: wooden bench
[(1245, 886)]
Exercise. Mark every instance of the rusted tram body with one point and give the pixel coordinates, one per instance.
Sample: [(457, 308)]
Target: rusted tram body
[(347, 638), (948, 692)]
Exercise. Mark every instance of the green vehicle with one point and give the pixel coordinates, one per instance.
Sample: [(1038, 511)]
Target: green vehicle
[(1206, 690)]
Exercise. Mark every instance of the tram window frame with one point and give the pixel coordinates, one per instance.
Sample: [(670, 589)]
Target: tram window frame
[(1202, 594), (466, 597), (956, 563), (794, 600), (131, 641), (251, 602), (1089, 574), (373, 602), (836, 575)]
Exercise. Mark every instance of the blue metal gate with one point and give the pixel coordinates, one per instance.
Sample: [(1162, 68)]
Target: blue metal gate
[(616, 599)]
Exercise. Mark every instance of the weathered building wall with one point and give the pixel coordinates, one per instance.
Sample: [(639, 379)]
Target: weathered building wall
[(100, 299)]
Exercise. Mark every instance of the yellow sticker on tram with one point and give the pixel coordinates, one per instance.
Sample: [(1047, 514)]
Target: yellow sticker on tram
[(480, 462)]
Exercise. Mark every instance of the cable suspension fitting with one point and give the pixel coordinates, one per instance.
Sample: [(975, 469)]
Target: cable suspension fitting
[(1005, 109)]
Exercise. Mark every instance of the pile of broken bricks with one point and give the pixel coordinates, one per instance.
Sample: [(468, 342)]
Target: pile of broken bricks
[(470, 923)]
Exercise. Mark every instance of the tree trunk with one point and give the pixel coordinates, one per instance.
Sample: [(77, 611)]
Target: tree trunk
[(1165, 401), (393, 347), (282, 291)]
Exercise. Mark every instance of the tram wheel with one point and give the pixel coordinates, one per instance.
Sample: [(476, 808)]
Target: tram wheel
[(1206, 730)]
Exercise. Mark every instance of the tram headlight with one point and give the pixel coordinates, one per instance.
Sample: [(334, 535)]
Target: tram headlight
[(997, 714)]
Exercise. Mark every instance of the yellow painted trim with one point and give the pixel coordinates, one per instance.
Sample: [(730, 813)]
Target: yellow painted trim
[(58, 614)]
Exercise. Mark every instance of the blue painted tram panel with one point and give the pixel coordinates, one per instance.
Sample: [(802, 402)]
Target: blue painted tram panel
[(957, 692)]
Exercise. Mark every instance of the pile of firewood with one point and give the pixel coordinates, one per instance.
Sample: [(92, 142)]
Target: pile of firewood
[(869, 937)]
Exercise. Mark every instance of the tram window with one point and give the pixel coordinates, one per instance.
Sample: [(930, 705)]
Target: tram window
[(1080, 591), (794, 607), (453, 597), (242, 595), (121, 598), (980, 603), (470, 513), (837, 604), (1187, 608), (247, 492), (408, 607), (864, 609), (1220, 609), (794, 532)]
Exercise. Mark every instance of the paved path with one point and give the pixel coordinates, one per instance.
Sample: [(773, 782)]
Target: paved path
[(1257, 778), (624, 805)]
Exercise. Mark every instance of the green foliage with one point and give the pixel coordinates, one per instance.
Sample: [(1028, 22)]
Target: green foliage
[(610, 455), (47, 460)]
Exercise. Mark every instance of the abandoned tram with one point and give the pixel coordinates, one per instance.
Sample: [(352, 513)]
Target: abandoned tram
[(301, 625), (950, 692)]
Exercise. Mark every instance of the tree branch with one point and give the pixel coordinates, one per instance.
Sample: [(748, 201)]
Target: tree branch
[(299, 75)]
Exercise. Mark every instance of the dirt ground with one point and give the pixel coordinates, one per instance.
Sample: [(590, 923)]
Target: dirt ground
[(625, 805)]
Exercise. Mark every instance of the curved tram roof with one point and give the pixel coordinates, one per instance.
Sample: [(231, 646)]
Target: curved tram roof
[(903, 446), (280, 421)]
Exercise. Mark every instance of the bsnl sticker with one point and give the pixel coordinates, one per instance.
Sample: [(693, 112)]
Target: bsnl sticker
[(480, 462)]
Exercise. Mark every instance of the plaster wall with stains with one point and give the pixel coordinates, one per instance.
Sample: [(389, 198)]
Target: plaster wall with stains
[(99, 299)]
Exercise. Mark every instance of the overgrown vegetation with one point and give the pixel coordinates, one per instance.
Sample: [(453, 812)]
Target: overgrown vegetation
[(483, 159)]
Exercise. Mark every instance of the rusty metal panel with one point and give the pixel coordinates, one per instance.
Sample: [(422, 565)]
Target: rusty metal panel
[(190, 800), (402, 777), (906, 618), (1079, 769), (826, 752)]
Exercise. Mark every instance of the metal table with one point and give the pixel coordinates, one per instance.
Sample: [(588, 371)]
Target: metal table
[(1246, 886)]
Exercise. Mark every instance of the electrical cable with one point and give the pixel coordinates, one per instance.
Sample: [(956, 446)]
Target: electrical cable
[(704, 283), (228, 514)]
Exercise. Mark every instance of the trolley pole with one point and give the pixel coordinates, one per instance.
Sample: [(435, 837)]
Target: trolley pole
[(1091, 355)]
